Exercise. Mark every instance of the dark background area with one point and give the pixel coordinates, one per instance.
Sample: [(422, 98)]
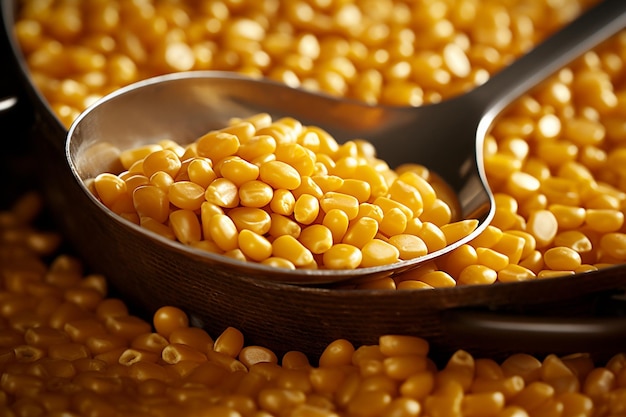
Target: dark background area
[(17, 168)]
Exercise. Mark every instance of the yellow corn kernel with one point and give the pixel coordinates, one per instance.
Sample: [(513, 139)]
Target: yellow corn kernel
[(458, 230), (342, 256), (492, 259), (576, 403), (501, 166), (257, 146), (186, 226), (133, 355), (418, 386), (522, 365), (359, 189), (604, 220), (273, 400), (477, 275), (432, 236), (386, 204), (193, 337), (614, 244), (244, 129), (109, 188), (533, 262), (408, 195), (374, 178), (562, 258), (208, 210), (337, 353), (327, 380), (251, 355), (568, 217), (223, 193), (361, 232), (411, 284), (306, 209), (254, 246), (512, 246), (151, 201), (372, 211), (297, 156), (425, 189), (279, 174), (438, 213), (236, 254), (409, 246), (288, 247), (514, 273), (603, 201), (222, 231), (282, 202), (328, 183), (506, 209), (537, 168), (177, 352), (337, 221), (308, 186), (200, 171), (317, 238), (402, 367), (278, 263), (529, 242), (490, 403), (521, 185), (509, 386), (164, 160), (134, 180), (533, 395), (282, 225), (186, 195), (445, 403), (378, 252), (428, 280), (254, 219), (217, 145), (162, 179), (394, 222), (229, 342), (255, 194), (344, 202), (534, 202), (454, 262), (238, 170)]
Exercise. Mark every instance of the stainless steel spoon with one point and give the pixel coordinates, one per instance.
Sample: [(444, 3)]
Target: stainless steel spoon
[(446, 137)]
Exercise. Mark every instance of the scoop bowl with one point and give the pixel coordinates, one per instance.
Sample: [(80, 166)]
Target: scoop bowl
[(184, 106)]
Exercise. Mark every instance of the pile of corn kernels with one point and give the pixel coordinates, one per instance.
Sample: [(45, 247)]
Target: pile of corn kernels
[(378, 51), (554, 160), (283, 194), (67, 350)]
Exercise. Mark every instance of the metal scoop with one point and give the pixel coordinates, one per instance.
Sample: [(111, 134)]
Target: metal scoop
[(446, 137)]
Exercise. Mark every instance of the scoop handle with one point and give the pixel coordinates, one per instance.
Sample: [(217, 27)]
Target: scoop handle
[(544, 333), (582, 34)]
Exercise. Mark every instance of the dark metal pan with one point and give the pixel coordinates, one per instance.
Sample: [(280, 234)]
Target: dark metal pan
[(558, 315)]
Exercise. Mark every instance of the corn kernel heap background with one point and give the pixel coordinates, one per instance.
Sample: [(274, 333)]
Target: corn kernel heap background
[(554, 159)]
